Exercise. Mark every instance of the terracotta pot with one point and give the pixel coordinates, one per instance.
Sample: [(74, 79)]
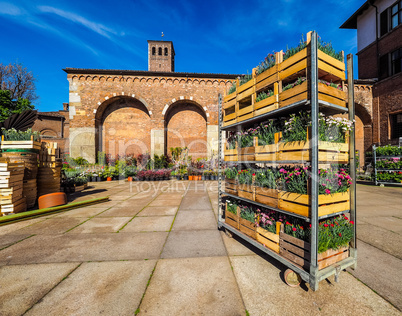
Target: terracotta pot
[(52, 199), (190, 178), (109, 179), (129, 179)]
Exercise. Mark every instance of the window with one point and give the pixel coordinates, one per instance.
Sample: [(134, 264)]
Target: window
[(396, 125), (384, 66), (396, 58), (166, 51), (153, 51), (160, 51), (391, 18), (396, 14)]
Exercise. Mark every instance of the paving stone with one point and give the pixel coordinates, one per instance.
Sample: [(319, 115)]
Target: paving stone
[(158, 211), (125, 211), (264, 293), (84, 247), (235, 246), (117, 292), (195, 202), (182, 287), (170, 196), (6, 229), (82, 212), (391, 223), (7, 240), (382, 278), (199, 220), (22, 286), (55, 225), (150, 224), (165, 202), (188, 244), (101, 225)]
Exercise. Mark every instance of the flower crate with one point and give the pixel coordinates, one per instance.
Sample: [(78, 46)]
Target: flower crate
[(249, 228), (295, 94), (246, 191), (329, 66), (20, 144), (247, 153), (245, 111), (267, 152), (267, 105), (268, 77), (266, 196), (230, 154), (268, 239), (231, 186), (245, 91), (298, 252), (327, 151), (229, 109), (301, 203), (229, 118), (232, 219)]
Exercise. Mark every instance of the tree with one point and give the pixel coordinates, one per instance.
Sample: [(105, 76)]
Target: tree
[(19, 81), (9, 107)]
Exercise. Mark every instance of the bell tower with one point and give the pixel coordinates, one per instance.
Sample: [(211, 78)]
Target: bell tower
[(161, 56)]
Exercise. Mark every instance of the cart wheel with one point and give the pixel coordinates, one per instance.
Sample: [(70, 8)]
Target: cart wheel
[(228, 233), (292, 278)]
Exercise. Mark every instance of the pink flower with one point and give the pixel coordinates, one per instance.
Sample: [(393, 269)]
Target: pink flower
[(327, 191)]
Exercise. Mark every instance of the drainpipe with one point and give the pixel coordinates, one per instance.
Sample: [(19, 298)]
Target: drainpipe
[(371, 2)]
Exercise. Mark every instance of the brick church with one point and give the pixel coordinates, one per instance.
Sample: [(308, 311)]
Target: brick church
[(122, 112)]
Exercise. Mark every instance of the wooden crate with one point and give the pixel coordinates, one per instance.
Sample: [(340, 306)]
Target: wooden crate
[(30, 192), (267, 152), (19, 144), (229, 119), (246, 191), (29, 159), (245, 112), (267, 78), (248, 228), (231, 186), (295, 94), (247, 153), (13, 208), (266, 196), (230, 154), (293, 65), (245, 90), (300, 203), (268, 239), (298, 252), (232, 219), (328, 65)]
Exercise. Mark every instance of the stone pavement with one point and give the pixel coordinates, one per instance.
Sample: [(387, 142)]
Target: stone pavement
[(154, 249)]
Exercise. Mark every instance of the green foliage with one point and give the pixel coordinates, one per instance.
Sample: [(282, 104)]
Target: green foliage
[(267, 178), (80, 161), (267, 63), (389, 150), (9, 107), (293, 50), (334, 233), (264, 95), (244, 79), (232, 206), (266, 133), (329, 50), (245, 176), (14, 135), (230, 173), (247, 213), (101, 158), (299, 81), (232, 88)]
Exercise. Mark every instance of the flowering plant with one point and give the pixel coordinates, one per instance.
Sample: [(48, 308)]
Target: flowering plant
[(293, 50), (268, 220), (391, 163), (232, 88), (244, 79), (334, 233), (332, 129), (330, 180), (267, 178), (230, 173), (267, 63), (264, 95), (231, 206), (330, 84), (247, 213), (245, 177), (246, 138), (231, 140), (299, 81), (329, 50), (266, 133)]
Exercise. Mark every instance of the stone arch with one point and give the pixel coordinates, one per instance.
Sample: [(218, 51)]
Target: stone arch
[(81, 78), (74, 78), (163, 80), (142, 80), (196, 81), (102, 78), (149, 80), (129, 79), (170, 81), (115, 138), (109, 79), (94, 78), (182, 81), (185, 123), (48, 133)]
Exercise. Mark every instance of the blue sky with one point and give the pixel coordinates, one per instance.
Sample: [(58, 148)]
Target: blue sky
[(208, 36)]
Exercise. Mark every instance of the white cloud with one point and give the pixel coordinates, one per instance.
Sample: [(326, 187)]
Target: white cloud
[(10, 9), (96, 27)]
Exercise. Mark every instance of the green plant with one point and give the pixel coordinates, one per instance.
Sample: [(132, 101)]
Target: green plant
[(293, 50), (266, 133), (329, 50), (334, 233), (80, 161), (247, 213), (245, 176), (244, 79), (231, 140), (14, 135), (299, 81), (232, 206), (389, 150), (264, 95), (230, 173), (267, 178), (268, 220), (232, 88), (267, 63), (246, 138)]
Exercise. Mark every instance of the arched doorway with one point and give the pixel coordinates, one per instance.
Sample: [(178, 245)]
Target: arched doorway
[(123, 127), (186, 126)]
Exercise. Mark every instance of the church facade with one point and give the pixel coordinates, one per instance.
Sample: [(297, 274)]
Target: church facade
[(124, 112)]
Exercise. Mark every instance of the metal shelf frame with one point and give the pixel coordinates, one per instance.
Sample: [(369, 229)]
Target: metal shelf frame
[(375, 158), (312, 275)]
